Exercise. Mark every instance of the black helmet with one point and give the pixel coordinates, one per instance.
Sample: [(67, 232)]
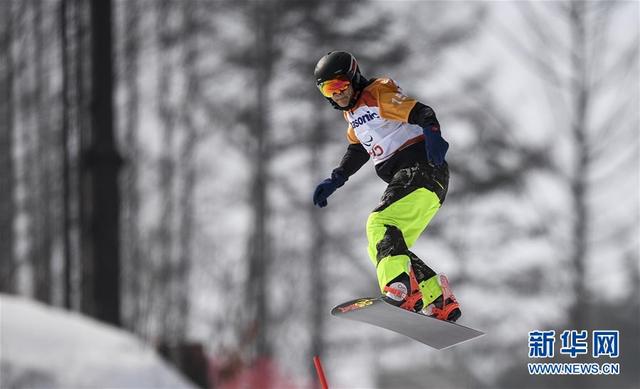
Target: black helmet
[(337, 64)]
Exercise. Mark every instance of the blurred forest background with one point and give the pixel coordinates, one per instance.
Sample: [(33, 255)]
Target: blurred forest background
[(174, 198)]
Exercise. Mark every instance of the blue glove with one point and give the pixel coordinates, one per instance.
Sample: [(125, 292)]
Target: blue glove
[(435, 145), (327, 187)]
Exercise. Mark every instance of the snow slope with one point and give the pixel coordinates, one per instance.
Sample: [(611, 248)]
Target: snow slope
[(41, 346)]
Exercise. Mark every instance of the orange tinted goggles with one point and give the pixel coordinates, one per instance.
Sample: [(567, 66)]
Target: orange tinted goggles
[(330, 87)]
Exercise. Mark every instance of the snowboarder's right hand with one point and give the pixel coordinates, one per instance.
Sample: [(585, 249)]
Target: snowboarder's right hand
[(327, 187)]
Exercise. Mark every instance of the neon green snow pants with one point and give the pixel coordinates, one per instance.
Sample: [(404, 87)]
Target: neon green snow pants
[(409, 207)]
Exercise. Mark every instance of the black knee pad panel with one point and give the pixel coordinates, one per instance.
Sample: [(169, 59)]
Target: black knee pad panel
[(421, 270)]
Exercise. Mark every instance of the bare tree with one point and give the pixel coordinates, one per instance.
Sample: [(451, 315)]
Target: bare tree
[(188, 163), (65, 156), (133, 254), (167, 166), (49, 134), (43, 198), (7, 169), (579, 76), (161, 255), (259, 243), (101, 164), (30, 110)]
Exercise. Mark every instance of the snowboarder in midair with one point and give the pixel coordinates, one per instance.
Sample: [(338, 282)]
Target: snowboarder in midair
[(403, 138)]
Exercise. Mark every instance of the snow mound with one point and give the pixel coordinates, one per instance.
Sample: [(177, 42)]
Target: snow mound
[(41, 346)]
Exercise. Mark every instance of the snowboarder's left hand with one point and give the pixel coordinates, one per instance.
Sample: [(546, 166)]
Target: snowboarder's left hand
[(327, 187)]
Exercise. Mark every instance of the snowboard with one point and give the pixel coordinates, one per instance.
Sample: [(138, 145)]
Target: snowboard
[(435, 333)]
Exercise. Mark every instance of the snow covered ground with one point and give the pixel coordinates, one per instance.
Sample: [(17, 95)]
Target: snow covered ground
[(41, 346)]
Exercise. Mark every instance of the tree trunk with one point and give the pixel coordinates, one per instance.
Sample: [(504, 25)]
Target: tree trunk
[(78, 270), (319, 240), (28, 90), (260, 250), (7, 173), (188, 165), (82, 94), (41, 190), (102, 163), (65, 156), (579, 188), (164, 282), (133, 256)]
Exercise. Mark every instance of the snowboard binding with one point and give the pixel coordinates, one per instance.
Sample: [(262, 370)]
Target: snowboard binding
[(398, 295), (445, 307)]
